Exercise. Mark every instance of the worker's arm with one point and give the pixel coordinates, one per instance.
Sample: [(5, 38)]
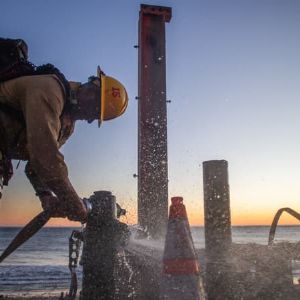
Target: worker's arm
[(42, 109), (39, 187), (48, 200)]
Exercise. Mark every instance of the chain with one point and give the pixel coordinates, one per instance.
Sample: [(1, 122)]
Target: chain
[(1, 173), (75, 242)]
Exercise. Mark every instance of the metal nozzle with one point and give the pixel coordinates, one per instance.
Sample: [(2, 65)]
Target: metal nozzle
[(120, 211), (88, 204)]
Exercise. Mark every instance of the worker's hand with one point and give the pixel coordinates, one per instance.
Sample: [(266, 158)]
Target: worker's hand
[(75, 210), (53, 204)]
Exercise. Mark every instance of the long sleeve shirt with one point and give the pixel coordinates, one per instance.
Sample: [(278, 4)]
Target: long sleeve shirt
[(40, 98)]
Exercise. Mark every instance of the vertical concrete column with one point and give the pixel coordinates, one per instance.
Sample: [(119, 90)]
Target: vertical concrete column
[(99, 251), (152, 120), (217, 229), (216, 207)]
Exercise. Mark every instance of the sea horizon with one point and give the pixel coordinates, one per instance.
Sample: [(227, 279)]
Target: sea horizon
[(246, 225)]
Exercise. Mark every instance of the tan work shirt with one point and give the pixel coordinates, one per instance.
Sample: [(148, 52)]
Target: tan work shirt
[(40, 98)]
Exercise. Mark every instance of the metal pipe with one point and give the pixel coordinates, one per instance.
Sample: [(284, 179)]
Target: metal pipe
[(276, 219)]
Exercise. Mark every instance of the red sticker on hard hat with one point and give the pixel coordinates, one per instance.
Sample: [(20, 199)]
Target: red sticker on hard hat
[(116, 92)]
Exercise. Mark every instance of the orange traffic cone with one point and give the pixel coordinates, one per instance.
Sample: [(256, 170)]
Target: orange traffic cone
[(181, 276)]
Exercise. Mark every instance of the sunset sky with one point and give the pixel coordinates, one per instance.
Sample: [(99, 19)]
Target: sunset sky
[(233, 76)]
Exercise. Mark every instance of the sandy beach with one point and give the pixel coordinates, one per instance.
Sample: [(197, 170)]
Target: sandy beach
[(40, 296), (28, 298)]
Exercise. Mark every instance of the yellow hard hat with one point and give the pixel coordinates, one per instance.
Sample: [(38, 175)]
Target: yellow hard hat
[(114, 98)]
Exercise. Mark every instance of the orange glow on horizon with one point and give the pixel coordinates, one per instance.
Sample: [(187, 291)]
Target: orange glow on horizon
[(248, 219), (237, 219), (14, 215), (20, 219)]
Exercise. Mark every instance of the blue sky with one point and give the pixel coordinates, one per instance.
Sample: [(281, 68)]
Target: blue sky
[(233, 79)]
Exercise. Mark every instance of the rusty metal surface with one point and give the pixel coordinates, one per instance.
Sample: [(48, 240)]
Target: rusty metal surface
[(152, 121), (164, 11)]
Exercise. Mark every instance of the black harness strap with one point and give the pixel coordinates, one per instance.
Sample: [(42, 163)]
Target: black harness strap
[(17, 115), (12, 111), (6, 164)]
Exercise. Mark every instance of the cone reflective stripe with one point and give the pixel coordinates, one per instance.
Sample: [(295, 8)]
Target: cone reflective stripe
[(181, 266), (177, 209), (181, 273)]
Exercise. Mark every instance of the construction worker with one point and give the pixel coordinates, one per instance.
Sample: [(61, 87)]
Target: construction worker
[(37, 116)]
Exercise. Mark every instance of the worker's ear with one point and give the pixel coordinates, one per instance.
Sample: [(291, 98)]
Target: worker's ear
[(88, 100), (90, 89), (73, 98), (85, 90)]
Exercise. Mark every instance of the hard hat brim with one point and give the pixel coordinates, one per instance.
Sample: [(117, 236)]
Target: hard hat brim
[(102, 91)]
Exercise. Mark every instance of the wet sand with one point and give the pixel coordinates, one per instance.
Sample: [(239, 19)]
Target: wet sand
[(31, 298), (37, 297)]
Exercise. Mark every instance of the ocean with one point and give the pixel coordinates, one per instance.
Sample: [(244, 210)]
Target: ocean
[(40, 266)]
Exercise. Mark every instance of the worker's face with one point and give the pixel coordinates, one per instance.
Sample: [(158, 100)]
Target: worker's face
[(88, 107)]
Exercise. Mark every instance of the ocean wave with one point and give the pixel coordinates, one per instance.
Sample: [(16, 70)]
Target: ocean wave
[(29, 278)]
